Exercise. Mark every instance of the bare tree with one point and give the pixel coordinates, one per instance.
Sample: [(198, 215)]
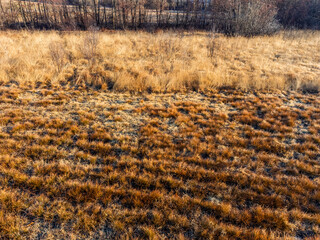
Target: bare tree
[(245, 17)]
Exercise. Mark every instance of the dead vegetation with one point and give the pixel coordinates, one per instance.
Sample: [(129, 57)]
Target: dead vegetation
[(162, 62), (95, 165), (236, 157)]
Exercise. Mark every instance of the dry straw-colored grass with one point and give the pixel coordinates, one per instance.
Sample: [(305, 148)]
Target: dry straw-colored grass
[(166, 61)]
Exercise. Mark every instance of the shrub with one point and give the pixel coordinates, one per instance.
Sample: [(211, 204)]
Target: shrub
[(89, 48), (245, 17), (57, 53), (299, 13)]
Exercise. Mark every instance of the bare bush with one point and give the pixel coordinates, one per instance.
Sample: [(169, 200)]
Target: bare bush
[(213, 44), (58, 54), (245, 17), (89, 47)]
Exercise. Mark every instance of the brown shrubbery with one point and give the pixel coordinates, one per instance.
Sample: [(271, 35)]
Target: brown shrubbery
[(299, 13), (245, 17)]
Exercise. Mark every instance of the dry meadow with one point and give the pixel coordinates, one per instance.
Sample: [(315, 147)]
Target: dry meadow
[(123, 135), (161, 62)]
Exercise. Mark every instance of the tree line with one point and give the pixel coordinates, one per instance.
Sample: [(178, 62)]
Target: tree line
[(244, 17)]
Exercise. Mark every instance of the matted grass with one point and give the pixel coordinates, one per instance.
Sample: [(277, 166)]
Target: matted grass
[(99, 165)]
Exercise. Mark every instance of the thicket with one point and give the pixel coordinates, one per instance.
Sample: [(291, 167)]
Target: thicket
[(299, 13), (244, 17)]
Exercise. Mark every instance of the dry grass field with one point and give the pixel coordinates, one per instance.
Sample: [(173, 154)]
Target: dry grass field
[(128, 135), (162, 62), (94, 165)]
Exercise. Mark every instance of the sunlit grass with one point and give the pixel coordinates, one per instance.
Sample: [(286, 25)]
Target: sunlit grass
[(95, 165), (162, 62)]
